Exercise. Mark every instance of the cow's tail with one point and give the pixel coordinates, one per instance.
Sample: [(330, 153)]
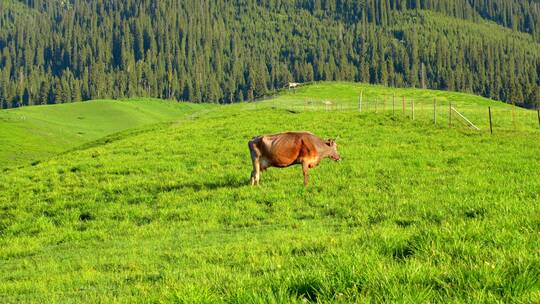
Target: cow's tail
[(255, 145), (252, 142)]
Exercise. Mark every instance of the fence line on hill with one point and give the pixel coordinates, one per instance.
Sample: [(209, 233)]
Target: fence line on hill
[(420, 109)]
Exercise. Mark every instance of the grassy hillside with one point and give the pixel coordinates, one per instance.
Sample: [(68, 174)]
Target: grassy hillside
[(413, 213), (344, 96), (32, 133)]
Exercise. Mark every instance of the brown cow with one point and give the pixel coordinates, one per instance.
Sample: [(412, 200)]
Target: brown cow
[(287, 149)]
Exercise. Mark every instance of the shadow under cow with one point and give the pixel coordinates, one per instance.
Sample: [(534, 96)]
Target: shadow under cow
[(213, 185)]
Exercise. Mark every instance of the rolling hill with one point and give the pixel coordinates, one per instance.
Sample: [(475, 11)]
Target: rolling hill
[(33, 133), (413, 213)]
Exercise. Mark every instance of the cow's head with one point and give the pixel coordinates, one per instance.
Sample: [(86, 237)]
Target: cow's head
[(333, 153)]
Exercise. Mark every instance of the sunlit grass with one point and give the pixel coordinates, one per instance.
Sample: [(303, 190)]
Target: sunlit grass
[(32, 133), (413, 213), (399, 102)]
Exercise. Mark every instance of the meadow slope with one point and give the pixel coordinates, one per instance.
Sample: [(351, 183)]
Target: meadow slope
[(413, 213), (32, 133)]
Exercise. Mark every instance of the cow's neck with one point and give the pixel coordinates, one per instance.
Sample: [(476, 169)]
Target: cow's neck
[(324, 151)]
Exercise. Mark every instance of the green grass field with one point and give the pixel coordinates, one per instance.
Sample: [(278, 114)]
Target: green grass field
[(414, 213), (37, 132), (339, 96)]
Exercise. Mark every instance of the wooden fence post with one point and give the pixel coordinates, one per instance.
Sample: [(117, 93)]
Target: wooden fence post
[(450, 115), (465, 118), (538, 112), (360, 101), (514, 114), (412, 105), (435, 111), (403, 105), (490, 122), (394, 105)]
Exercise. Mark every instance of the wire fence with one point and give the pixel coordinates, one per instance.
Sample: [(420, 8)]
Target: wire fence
[(490, 118)]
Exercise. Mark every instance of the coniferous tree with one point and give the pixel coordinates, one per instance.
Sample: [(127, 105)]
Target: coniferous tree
[(222, 51)]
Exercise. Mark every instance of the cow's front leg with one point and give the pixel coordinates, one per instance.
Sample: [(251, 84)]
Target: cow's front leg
[(305, 169), (256, 161)]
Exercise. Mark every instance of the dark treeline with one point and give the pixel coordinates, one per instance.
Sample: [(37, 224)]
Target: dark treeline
[(226, 51), (522, 15)]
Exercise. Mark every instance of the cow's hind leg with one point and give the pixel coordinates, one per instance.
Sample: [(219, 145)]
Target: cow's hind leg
[(255, 159), (305, 169)]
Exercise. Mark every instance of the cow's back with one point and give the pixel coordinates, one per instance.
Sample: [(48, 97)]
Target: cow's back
[(285, 149)]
